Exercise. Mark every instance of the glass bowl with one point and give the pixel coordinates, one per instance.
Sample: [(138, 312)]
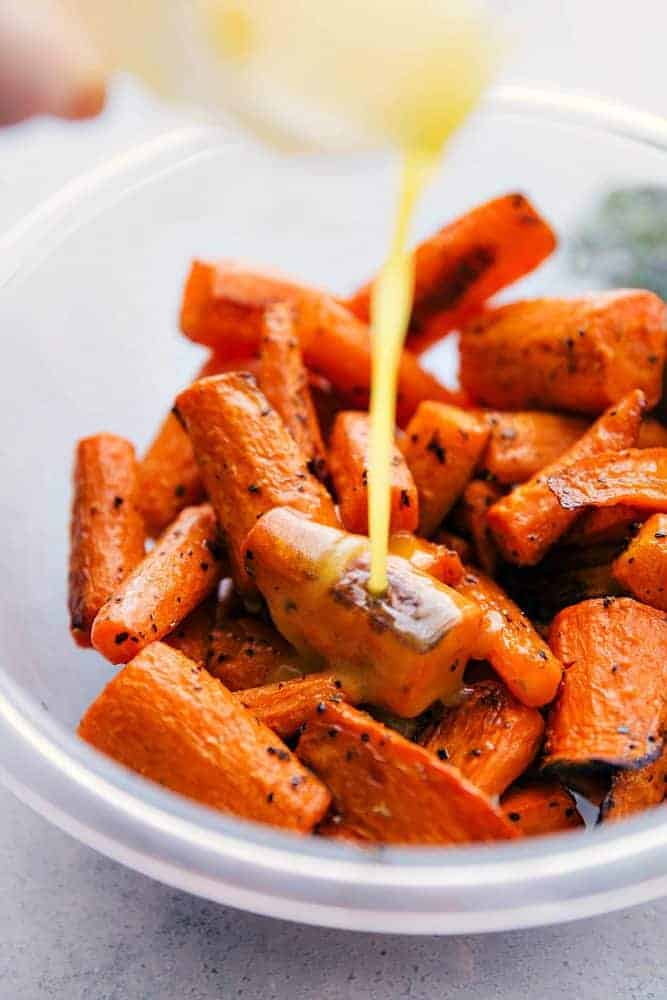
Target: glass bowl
[(89, 289)]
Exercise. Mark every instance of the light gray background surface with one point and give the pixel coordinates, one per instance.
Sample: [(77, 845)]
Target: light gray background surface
[(75, 926)]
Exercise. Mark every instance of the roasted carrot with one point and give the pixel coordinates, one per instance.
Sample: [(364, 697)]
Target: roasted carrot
[(489, 736), (611, 703), (457, 543), (349, 471), (541, 807), (223, 307), (467, 262), (478, 497), (442, 448), (193, 636), (510, 643), (528, 521), (248, 460), (106, 530), (604, 525), (335, 828), (405, 649), (635, 477), (285, 706), (246, 653), (642, 568), (438, 560), (392, 790), (521, 444), (579, 355), (183, 568), (166, 718), (284, 381), (632, 792)]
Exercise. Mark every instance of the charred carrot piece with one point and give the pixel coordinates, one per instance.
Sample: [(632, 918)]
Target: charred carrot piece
[(223, 307), (284, 707), (467, 262), (169, 478), (167, 719), (284, 381), (489, 736), (642, 568), (349, 471), (528, 521), (508, 640), (193, 636), (183, 568), (442, 448), (537, 808), (248, 460), (611, 704), (478, 497), (579, 355), (441, 562), (635, 477), (405, 649), (392, 790), (247, 653), (521, 444), (632, 792), (106, 532)]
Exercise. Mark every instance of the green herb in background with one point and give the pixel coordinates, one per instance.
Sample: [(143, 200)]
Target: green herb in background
[(624, 241)]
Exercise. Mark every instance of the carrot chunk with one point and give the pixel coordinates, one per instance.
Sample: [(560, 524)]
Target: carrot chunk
[(489, 736), (247, 653), (183, 568), (405, 649), (508, 640), (642, 568), (170, 721), (579, 355), (632, 792), (285, 706), (223, 307), (635, 477), (349, 471), (611, 703), (442, 448), (429, 557), (530, 519), (540, 807), (468, 261), (604, 526), (248, 460), (284, 381), (478, 497), (106, 532), (193, 635), (521, 444), (392, 790)]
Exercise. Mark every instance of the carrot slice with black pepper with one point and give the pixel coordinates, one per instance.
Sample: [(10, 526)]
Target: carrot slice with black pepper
[(537, 808), (468, 261), (508, 640), (579, 355), (392, 790), (477, 498), (183, 568), (248, 460), (170, 721), (284, 381), (442, 447), (611, 704), (107, 532), (285, 706), (349, 471), (193, 636), (245, 652), (635, 477), (642, 568), (490, 736), (632, 792), (530, 519), (521, 444)]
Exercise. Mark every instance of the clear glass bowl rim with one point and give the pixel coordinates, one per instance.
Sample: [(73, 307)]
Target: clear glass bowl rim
[(452, 890)]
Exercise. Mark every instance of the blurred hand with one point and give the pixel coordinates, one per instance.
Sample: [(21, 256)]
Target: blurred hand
[(47, 65)]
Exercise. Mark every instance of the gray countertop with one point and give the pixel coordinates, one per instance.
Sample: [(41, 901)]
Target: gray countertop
[(76, 926)]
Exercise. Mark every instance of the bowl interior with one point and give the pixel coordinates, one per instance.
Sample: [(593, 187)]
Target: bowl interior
[(89, 325)]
